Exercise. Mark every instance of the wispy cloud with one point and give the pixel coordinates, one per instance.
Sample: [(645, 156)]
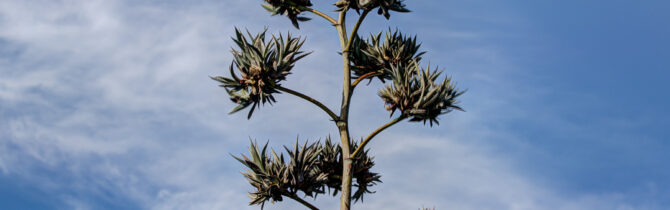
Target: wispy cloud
[(112, 98)]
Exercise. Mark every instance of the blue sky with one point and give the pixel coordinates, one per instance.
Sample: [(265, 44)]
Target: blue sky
[(107, 104)]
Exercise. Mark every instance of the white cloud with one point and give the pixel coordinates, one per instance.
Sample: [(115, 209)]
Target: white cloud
[(115, 94), (452, 174)]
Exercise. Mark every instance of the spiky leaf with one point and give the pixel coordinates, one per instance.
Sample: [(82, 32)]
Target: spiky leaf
[(416, 93), (383, 6), (258, 67), (289, 8), (378, 56), (311, 169)]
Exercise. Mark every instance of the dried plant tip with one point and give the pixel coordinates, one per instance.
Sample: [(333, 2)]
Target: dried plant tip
[(289, 8), (258, 67), (418, 95), (383, 6), (378, 56), (310, 169)]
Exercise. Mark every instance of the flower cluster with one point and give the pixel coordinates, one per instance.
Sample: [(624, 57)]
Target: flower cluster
[(384, 6), (416, 93), (331, 163), (310, 168), (290, 8), (379, 56), (262, 65)]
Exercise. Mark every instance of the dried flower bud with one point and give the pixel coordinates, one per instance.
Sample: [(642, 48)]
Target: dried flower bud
[(310, 168), (262, 65), (290, 8), (377, 55), (416, 94), (384, 6)]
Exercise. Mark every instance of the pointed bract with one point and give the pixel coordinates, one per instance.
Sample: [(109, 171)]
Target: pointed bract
[(311, 169), (383, 6), (289, 8), (261, 64), (378, 56), (416, 93)]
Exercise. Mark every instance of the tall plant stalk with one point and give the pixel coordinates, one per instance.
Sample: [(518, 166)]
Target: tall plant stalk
[(343, 122), (261, 65)]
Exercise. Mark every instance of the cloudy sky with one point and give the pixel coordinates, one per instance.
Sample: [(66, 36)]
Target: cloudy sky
[(107, 104)]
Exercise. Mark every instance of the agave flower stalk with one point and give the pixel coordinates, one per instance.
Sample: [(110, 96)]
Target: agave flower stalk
[(260, 65)]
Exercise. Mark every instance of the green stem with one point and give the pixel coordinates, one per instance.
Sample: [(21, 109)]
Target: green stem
[(342, 125), (342, 29), (319, 13), (354, 32), (316, 12), (364, 76), (348, 49), (374, 133), (303, 202), (310, 99)]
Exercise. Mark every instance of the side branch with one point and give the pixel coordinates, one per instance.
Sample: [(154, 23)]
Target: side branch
[(354, 32), (374, 133), (361, 78), (310, 99), (316, 12), (319, 13), (303, 202)]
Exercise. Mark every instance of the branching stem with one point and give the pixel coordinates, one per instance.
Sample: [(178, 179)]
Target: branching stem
[(343, 124), (315, 11), (374, 133), (310, 99), (319, 13), (354, 32), (362, 77)]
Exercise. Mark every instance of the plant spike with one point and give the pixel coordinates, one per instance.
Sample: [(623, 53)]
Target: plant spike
[(290, 8), (311, 169), (378, 56), (260, 65), (383, 6), (416, 94)]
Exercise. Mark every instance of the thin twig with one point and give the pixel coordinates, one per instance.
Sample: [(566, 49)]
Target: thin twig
[(310, 99), (319, 13), (374, 133), (354, 32), (364, 76), (315, 11)]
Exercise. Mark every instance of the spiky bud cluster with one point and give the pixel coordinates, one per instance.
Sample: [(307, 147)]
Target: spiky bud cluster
[(290, 8), (262, 65), (416, 94), (379, 56), (310, 168), (331, 163), (384, 6)]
